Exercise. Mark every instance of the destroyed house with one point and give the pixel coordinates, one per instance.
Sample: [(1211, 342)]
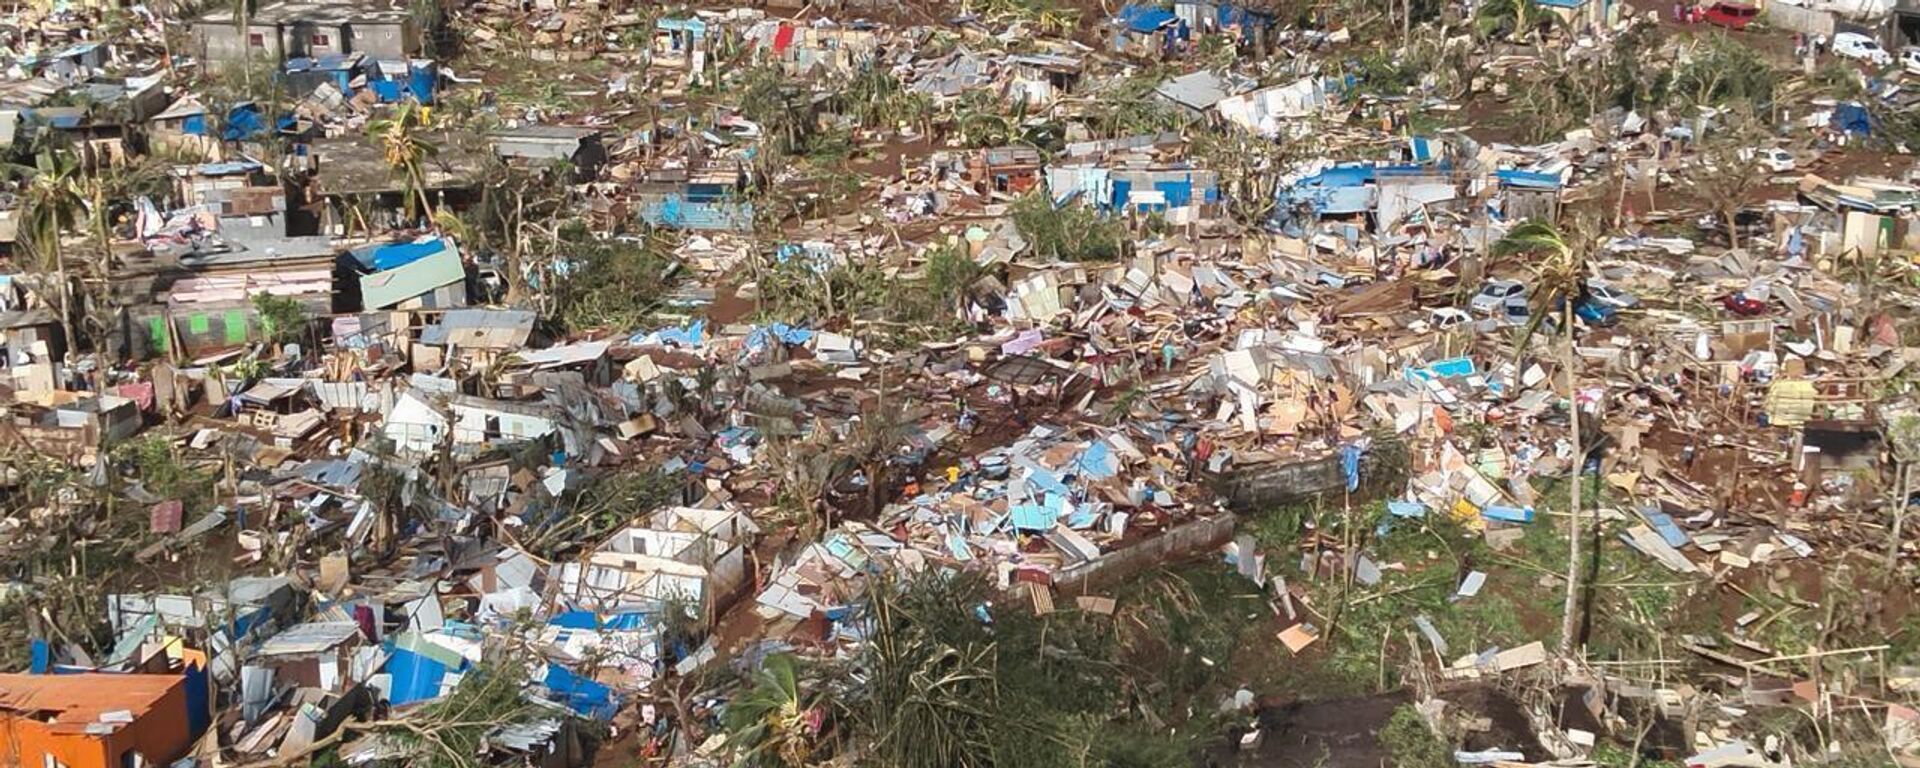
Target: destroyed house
[(425, 274), (344, 168), (135, 99), (28, 336), (1247, 26), (183, 128), (681, 554), (1010, 170), (290, 29), (1581, 13), (70, 424), (1039, 80), (301, 75), (1148, 31), (1355, 191), (94, 720), (318, 654), (710, 201), (680, 44), (800, 49), (239, 187), (74, 60), (544, 145), (1127, 190), (97, 140)]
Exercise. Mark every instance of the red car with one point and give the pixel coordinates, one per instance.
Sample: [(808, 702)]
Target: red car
[(1743, 305), (1732, 15)]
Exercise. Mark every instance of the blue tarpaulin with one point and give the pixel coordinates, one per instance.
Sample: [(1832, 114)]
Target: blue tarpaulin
[(387, 90), (692, 335), (199, 709), (585, 697), (243, 122), (620, 622), (1350, 465), (787, 334), (423, 80), (1852, 118), (1528, 179), (1145, 18), (401, 254)]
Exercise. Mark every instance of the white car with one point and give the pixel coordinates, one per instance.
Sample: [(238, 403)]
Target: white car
[(1859, 47), (1443, 318), (1910, 60), (1774, 159), (1611, 296), (1494, 295)]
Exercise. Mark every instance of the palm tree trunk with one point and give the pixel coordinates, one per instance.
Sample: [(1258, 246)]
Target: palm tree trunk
[(1570, 609), (66, 300), (1903, 488)]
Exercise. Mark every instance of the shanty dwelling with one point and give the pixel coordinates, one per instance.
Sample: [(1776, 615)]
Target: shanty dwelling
[(345, 170), (1173, 191), (681, 555), (1008, 170), (278, 31), (1247, 26), (680, 44), (67, 424), (94, 720), (219, 618), (321, 654), (1148, 32), (1041, 79), (1579, 14), (540, 146), (707, 201), (183, 128), (425, 274)]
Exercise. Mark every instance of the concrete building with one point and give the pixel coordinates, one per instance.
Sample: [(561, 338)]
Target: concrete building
[(93, 720), (309, 28)]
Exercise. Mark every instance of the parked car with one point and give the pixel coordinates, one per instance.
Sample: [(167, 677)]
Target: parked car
[(1859, 47), (1591, 312), (1732, 15), (1910, 59), (1494, 295), (1442, 318), (1588, 312), (1743, 305), (1773, 159), (1611, 296)]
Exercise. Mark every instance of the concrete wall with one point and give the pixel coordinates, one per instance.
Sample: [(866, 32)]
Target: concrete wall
[(382, 40), (222, 44), (1806, 20), (1184, 541)]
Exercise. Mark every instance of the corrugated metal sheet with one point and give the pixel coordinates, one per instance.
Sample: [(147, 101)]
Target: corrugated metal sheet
[(385, 289)]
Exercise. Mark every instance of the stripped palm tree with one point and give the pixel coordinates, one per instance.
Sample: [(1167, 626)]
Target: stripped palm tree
[(406, 154), (1559, 286), (773, 723), (52, 205), (1495, 16)]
